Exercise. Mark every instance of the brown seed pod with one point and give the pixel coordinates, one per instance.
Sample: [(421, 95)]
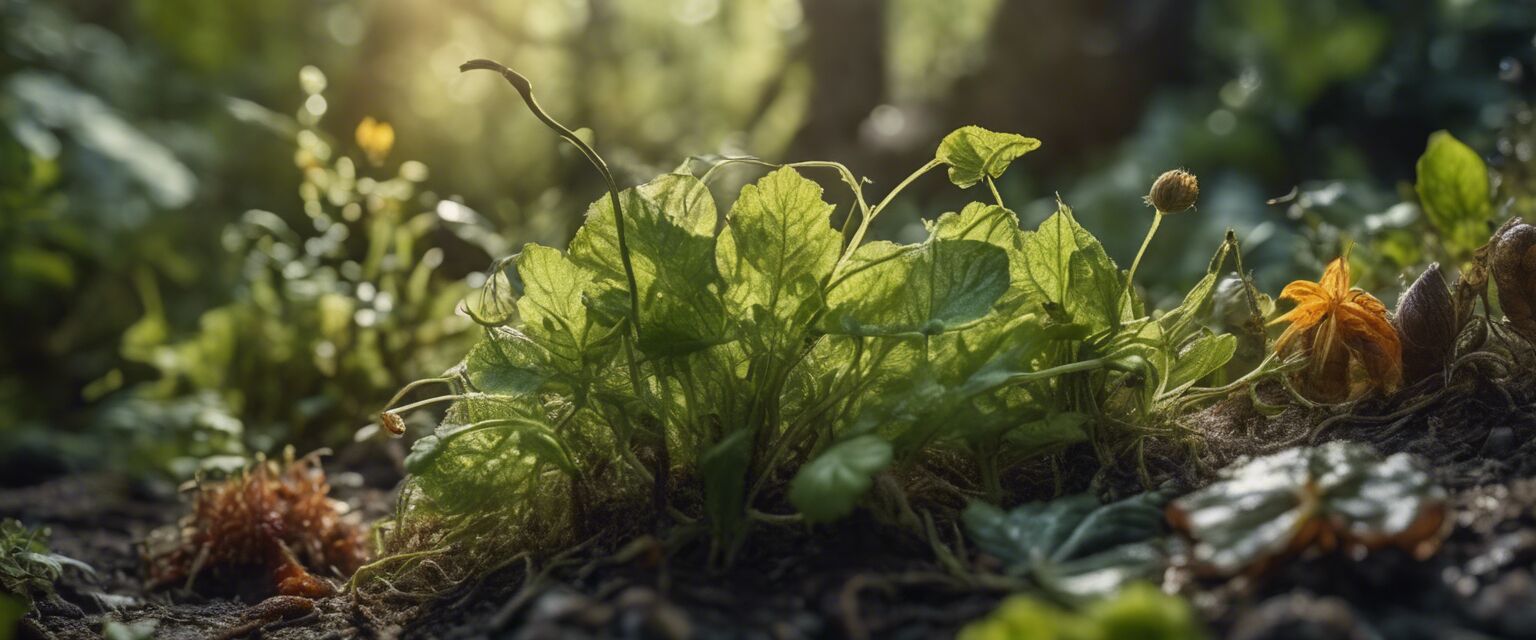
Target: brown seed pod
[(1174, 191), (1426, 324), (1514, 271)]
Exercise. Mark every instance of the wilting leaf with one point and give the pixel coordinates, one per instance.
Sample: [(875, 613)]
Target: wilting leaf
[(828, 487), (1338, 494), (1074, 545), (974, 153)]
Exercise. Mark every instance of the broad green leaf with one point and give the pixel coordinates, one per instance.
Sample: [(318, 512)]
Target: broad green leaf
[(927, 288), (1068, 271), (724, 469), (1074, 545), (828, 487), (551, 307), (504, 363), (1049, 434), (776, 251), (1453, 188), (973, 153), (669, 225), (1204, 356), (997, 226)]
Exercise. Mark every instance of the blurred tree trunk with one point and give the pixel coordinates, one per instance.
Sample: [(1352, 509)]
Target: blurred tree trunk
[(845, 49)]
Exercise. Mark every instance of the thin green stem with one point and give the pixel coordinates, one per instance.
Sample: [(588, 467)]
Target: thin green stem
[(1130, 277), (525, 89), (995, 195), (858, 235)]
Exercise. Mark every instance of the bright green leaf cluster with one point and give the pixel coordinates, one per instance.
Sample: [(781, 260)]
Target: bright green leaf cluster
[(1139, 612), (764, 352)]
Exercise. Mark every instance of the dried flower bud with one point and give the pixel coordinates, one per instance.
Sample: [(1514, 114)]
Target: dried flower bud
[(1426, 322), (1514, 271), (392, 422), (1174, 191)]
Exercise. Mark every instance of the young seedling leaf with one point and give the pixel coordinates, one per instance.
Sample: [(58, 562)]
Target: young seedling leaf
[(828, 487), (1454, 191), (1202, 357), (974, 154)]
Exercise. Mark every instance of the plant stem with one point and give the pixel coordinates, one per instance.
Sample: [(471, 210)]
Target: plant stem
[(525, 89), (858, 235), (1130, 277), (995, 195)]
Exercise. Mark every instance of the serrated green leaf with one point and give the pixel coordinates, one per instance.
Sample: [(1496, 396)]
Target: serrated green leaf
[(828, 487), (1069, 272), (1453, 188), (926, 288), (973, 153), (551, 308), (504, 363), (776, 251), (669, 224)]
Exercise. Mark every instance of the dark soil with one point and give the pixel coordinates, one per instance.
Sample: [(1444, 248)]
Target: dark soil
[(862, 579)]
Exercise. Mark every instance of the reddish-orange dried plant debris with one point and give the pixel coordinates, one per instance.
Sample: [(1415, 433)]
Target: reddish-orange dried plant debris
[(277, 519), (1344, 332)]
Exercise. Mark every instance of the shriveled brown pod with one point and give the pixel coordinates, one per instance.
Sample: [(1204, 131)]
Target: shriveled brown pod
[(1514, 271), (1426, 324)]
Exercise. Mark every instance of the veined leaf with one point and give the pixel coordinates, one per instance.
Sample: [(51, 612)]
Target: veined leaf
[(504, 363), (1068, 269), (1453, 188), (829, 486), (1200, 358), (776, 251), (973, 153), (1073, 545), (927, 288), (551, 307), (669, 224)]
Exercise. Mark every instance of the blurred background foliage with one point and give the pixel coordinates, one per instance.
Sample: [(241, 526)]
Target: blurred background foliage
[(205, 250)]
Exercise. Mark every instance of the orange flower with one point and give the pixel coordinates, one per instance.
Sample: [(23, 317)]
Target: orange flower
[(1342, 330)]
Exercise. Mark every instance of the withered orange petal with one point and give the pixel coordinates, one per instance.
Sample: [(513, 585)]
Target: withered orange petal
[(1306, 314), (1304, 292), (1367, 301), (1335, 280)]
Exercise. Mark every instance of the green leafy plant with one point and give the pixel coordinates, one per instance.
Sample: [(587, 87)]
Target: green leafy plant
[(1337, 495), (763, 349), (331, 312), (1138, 612), (28, 570), (1074, 547)]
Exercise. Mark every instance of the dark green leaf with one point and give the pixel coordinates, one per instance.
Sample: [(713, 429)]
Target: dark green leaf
[(828, 487)]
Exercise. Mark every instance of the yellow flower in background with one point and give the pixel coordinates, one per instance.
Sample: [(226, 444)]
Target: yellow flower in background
[(375, 137)]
